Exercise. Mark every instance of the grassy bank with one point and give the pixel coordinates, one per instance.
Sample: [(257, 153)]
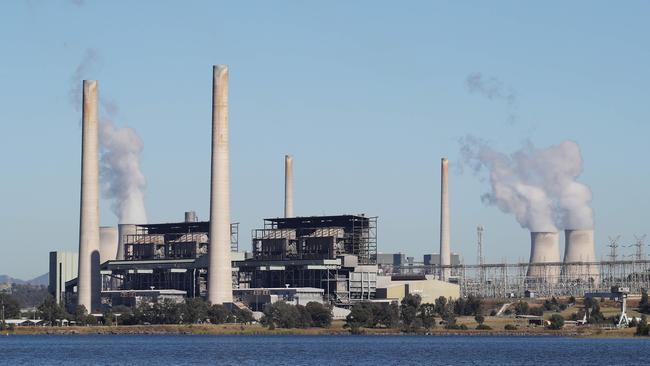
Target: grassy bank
[(337, 328)]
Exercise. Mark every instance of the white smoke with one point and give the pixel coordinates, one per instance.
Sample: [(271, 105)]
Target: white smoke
[(538, 186), (121, 177), (493, 89)]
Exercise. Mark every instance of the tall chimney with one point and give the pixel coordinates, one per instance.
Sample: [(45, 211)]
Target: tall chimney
[(220, 267), (544, 248), (288, 186), (89, 290), (445, 248)]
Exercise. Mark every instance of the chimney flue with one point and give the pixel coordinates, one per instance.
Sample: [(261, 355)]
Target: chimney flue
[(219, 270), (288, 186), (89, 290)]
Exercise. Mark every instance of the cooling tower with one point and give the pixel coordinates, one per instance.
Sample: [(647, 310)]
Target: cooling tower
[(445, 248), (579, 247), (544, 248), (108, 243), (123, 230), (220, 266), (88, 287), (288, 186)]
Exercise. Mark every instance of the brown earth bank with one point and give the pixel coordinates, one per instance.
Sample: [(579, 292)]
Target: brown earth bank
[(335, 329)]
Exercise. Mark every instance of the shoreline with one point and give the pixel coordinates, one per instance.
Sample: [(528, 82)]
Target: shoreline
[(253, 330)]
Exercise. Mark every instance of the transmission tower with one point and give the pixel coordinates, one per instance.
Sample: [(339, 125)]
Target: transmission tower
[(640, 244), (613, 245), (479, 234)]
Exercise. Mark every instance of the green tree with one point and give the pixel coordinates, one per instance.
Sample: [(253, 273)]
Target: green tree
[(11, 306), (479, 319), (642, 327), (557, 322), (51, 311), (644, 304), (427, 316), (409, 312), (521, 308), (243, 316), (283, 315), (218, 314), (80, 315), (195, 310), (321, 316), (594, 315), (360, 315), (383, 314)]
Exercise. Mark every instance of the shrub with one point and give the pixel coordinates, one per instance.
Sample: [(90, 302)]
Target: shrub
[(521, 308), (510, 327), (642, 327), (483, 327), (557, 322)]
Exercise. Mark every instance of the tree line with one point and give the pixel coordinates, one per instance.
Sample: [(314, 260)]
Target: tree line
[(414, 316)]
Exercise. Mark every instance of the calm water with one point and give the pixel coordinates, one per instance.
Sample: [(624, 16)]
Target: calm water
[(322, 350)]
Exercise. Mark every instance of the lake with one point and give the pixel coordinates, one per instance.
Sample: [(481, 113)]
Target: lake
[(319, 350)]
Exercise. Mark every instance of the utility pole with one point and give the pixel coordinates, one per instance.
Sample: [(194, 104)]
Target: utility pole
[(3, 311)]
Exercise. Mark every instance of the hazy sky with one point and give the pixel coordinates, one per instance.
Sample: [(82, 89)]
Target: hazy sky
[(367, 96)]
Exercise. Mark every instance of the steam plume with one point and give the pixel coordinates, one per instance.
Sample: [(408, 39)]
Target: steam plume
[(538, 186), (121, 177), (493, 89)]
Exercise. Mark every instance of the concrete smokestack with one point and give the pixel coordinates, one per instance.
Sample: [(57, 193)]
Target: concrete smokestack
[(220, 267), (579, 247), (108, 243), (544, 248), (89, 290), (288, 186), (445, 247), (123, 230)]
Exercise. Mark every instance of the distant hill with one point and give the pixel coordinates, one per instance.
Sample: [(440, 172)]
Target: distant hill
[(40, 280), (9, 279)]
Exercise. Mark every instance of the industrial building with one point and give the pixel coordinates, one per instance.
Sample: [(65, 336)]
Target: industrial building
[(168, 256), (63, 268), (335, 253), (330, 258)]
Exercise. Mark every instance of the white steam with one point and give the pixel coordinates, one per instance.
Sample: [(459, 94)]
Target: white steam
[(493, 89), (121, 177), (538, 186)]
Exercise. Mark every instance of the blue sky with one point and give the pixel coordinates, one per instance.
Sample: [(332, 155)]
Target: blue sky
[(367, 96)]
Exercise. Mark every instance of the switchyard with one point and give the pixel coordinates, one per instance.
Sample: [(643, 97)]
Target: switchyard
[(503, 280)]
